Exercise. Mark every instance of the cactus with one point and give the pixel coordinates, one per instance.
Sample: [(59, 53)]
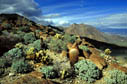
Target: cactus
[(58, 36), (30, 51), (107, 51), (73, 54), (19, 45)]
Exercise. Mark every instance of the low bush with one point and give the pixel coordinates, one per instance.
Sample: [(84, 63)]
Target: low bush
[(14, 53), (21, 66), (48, 71), (87, 71), (24, 29), (69, 38), (57, 45), (4, 63), (2, 71), (29, 38), (116, 77)]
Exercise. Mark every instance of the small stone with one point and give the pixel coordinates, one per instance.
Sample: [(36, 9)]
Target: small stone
[(11, 74)]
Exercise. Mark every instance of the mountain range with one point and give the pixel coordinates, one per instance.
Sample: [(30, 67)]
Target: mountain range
[(120, 31), (96, 34)]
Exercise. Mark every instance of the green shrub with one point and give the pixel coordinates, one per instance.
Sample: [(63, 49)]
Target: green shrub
[(48, 71), (116, 77), (7, 26), (85, 48), (61, 44), (37, 45), (87, 71), (69, 38), (14, 53), (57, 45), (37, 33), (29, 38), (21, 66), (2, 70), (4, 63), (5, 32), (24, 29), (21, 34)]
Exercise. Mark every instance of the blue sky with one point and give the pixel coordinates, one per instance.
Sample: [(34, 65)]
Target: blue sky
[(99, 13)]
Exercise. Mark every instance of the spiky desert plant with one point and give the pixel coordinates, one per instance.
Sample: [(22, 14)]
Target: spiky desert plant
[(73, 54), (107, 51)]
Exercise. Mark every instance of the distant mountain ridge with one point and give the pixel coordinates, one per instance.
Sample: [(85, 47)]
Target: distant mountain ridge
[(122, 31), (96, 34), (85, 30)]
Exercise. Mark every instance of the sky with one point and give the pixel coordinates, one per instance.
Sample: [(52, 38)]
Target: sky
[(99, 13)]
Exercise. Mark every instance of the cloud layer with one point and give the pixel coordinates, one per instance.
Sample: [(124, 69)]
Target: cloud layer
[(28, 8), (111, 21), (25, 7)]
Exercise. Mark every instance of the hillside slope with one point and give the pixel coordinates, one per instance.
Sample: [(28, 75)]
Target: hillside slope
[(93, 33)]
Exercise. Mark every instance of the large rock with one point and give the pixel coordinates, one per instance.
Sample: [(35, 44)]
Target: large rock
[(99, 61), (117, 66)]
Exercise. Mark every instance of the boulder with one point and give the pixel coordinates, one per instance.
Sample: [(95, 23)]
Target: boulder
[(99, 61)]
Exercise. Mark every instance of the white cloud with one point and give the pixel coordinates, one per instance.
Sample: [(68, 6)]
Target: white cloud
[(25, 7), (110, 21), (28, 8), (51, 16), (115, 21)]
